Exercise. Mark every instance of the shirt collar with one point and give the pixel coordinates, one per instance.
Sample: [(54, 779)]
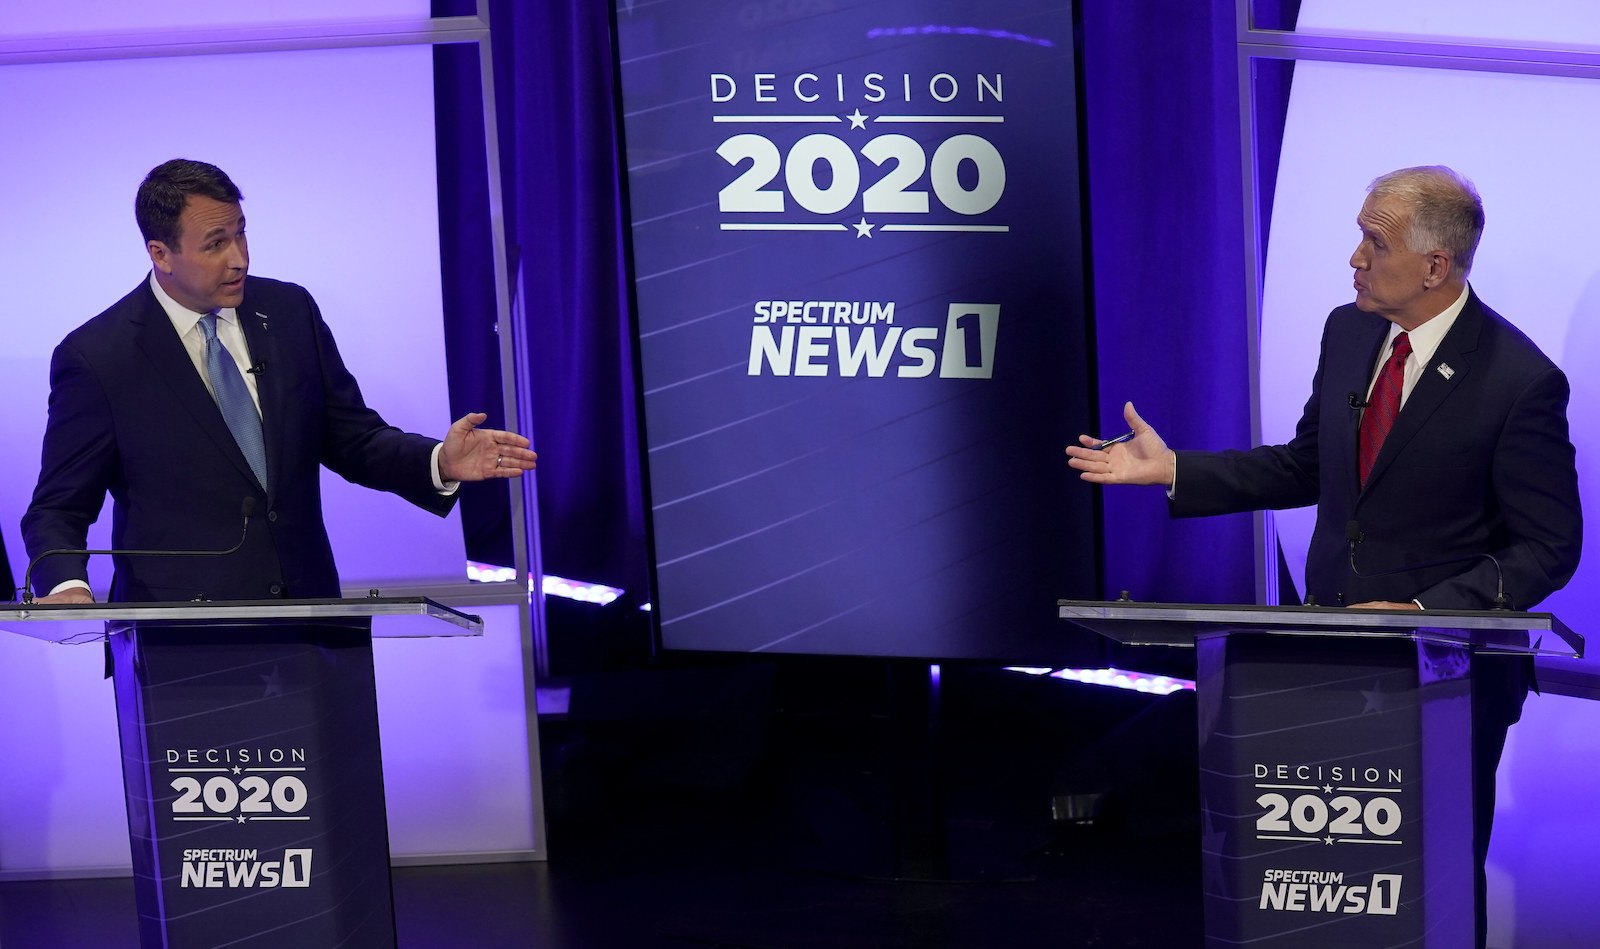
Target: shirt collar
[(1427, 337), (183, 319)]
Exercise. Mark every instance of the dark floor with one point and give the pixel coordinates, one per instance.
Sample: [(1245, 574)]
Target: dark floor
[(677, 823)]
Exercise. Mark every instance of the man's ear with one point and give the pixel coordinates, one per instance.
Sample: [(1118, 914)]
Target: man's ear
[(159, 256), (1440, 267)]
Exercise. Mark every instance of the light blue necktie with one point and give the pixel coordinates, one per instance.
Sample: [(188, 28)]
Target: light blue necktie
[(238, 410)]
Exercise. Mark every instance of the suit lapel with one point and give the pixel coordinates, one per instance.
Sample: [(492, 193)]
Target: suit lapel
[(1448, 368), (171, 364)]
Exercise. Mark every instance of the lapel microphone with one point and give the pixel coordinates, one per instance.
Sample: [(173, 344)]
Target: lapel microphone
[(1354, 534), (1356, 403), (247, 509)]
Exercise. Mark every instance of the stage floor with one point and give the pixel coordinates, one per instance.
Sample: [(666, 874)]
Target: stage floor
[(1096, 891)]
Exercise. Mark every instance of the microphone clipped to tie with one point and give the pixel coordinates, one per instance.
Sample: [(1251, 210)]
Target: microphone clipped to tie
[(1354, 534), (247, 510), (1355, 402)]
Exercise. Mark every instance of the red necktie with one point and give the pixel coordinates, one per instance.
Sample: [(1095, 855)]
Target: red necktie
[(1384, 405)]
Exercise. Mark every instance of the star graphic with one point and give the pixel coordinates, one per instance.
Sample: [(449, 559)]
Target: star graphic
[(236, 769), (863, 229), (1328, 841), (1375, 698), (1327, 789), (273, 682), (857, 120), (240, 818)]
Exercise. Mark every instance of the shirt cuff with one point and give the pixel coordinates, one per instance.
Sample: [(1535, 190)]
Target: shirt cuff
[(1172, 489), (68, 585), (445, 488)]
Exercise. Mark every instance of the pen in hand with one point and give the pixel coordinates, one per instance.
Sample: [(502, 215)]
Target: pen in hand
[(1114, 441)]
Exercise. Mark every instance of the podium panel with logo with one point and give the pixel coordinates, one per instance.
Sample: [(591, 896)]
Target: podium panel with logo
[(1335, 764), (251, 764)]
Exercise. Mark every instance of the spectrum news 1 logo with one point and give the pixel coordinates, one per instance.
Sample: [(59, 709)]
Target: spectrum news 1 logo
[(844, 338), (235, 868), (1325, 891)]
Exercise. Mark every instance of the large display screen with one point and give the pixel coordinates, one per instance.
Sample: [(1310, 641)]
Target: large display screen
[(858, 272)]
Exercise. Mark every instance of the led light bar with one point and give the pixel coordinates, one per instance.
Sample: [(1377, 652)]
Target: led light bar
[(596, 593), (1112, 678)]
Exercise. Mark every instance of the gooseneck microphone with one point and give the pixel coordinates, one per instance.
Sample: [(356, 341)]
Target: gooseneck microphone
[(1354, 534), (247, 509)]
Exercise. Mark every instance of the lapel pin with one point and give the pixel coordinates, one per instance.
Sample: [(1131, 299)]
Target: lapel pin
[(1445, 370)]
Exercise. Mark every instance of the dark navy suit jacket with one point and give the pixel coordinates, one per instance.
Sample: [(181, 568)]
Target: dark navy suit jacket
[(129, 415), (1479, 461)]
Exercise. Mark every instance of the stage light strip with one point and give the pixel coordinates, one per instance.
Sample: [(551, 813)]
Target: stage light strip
[(582, 591), (933, 28), (596, 593), (1112, 678)]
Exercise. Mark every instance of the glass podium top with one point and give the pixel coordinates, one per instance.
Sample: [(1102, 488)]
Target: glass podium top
[(1180, 624), (392, 616)]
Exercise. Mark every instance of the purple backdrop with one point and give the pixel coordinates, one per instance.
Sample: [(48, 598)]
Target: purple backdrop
[(1162, 148)]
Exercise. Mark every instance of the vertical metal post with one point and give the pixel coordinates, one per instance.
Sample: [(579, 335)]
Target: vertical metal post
[(1266, 536), (513, 379)]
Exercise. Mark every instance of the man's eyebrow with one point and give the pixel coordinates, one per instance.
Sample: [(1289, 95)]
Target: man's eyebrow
[(221, 230)]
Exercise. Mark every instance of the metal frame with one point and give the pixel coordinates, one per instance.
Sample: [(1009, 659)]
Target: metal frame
[(77, 47), (1373, 49), (524, 591)]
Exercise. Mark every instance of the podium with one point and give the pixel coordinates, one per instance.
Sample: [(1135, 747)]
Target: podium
[(251, 764), (1335, 763)]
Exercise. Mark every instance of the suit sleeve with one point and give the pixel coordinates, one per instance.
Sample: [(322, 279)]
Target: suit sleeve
[(1270, 477), (77, 466), (360, 446), (1534, 483)]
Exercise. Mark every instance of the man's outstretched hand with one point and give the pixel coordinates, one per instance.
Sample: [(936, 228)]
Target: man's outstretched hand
[(1144, 459), (471, 453)]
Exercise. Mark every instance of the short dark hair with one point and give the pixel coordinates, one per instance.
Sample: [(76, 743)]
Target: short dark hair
[(164, 192)]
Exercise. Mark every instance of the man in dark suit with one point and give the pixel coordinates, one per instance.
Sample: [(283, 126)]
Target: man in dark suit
[(204, 402), (1461, 450)]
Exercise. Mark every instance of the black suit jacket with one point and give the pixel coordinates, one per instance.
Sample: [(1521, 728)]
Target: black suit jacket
[(130, 416), (1479, 461)]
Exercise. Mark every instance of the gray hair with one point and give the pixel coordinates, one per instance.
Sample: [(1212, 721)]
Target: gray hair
[(1446, 212)]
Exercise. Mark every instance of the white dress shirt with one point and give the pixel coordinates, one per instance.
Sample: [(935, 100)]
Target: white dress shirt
[(1425, 341), (187, 323)]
